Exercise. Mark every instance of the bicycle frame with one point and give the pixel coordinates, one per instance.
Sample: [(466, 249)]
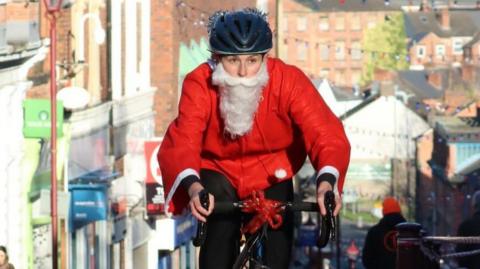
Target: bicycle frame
[(254, 241), (251, 245)]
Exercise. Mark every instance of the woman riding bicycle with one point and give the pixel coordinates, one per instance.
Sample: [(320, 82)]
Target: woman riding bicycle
[(247, 122)]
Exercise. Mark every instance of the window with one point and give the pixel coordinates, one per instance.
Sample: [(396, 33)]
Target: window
[(356, 50), (355, 23), (339, 50), (301, 24), (324, 52), (324, 73), (356, 76), (340, 23), (420, 51), (457, 46), (371, 21), (440, 50), (340, 76), (323, 25), (301, 51)]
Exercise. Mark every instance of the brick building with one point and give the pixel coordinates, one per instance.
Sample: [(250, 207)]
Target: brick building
[(436, 38), (179, 43), (324, 38), (471, 51), (444, 186)]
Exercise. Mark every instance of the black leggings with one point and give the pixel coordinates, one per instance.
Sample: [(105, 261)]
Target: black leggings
[(222, 243)]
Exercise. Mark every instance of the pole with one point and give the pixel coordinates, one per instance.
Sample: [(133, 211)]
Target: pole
[(338, 246), (408, 163), (408, 245), (53, 7), (409, 248), (53, 144)]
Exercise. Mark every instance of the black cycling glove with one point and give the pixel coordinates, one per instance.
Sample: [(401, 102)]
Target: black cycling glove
[(188, 181), (326, 177)]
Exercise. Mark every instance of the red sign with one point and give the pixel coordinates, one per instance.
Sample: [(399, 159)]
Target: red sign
[(153, 181)]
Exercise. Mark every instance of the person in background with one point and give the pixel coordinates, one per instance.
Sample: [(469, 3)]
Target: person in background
[(379, 251), (4, 264), (246, 123), (470, 227)]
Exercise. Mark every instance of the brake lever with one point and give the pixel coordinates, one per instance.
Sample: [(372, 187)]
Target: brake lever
[(328, 221), (199, 238), (330, 206)]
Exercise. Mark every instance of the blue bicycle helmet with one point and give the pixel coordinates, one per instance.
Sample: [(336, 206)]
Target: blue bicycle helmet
[(239, 32)]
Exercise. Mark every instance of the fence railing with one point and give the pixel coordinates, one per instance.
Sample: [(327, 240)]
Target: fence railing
[(416, 250)]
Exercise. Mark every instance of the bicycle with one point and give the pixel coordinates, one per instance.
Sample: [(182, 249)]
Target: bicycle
[(268, 216)]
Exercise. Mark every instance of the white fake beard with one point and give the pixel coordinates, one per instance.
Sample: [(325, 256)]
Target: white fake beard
[(239, 98)]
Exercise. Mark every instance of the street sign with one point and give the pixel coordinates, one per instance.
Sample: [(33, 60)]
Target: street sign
[(37, 118), (175, 231), (155, 198), (88, 204)]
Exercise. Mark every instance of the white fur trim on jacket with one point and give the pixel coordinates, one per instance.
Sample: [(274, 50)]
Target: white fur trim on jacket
[(331, 170), (185, 173)]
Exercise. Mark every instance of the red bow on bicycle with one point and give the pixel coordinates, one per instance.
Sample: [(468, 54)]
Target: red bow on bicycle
[(266, 211)]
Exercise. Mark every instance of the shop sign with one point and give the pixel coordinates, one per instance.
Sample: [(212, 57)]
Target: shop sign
[(185, 229), (176, 231), (88, 204), (37, 118), (154, 195)]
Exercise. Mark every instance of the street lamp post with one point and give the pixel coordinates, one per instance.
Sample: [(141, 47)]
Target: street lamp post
[(53, 7)]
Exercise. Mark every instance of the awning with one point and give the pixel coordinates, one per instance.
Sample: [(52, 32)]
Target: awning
[(100, 176)]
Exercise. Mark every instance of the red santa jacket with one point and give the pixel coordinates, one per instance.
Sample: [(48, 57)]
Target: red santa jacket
[(292, 120)]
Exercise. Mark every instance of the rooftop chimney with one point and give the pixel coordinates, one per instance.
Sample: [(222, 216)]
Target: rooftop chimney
[(435, 79), (383, 75), (445, 18), (424, 6), (468, 72)]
